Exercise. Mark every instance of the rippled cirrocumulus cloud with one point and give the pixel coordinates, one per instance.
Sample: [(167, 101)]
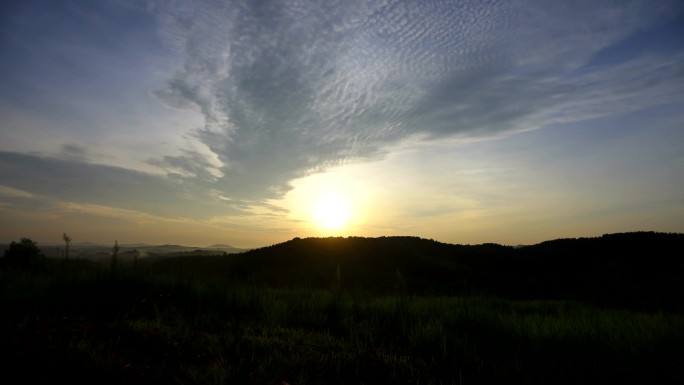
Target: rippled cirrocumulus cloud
[(288, 88)]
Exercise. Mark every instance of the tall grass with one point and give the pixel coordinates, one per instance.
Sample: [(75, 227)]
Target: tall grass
[(137, 326)]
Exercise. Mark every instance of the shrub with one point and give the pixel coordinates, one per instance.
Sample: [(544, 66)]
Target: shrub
[(24, 254)]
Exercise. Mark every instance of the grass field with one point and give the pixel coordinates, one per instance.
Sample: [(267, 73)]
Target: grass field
[(129, 326)]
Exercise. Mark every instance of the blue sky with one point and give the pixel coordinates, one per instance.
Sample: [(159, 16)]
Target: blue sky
[(225, 121)]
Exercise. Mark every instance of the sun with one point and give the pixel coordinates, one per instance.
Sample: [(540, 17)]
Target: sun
[(331, 211)]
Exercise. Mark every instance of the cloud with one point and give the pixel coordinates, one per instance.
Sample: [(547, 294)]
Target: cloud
[(83, 183), (288, 89), (191, 164)]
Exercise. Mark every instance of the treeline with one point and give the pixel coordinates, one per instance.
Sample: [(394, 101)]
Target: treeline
[(641, 270)]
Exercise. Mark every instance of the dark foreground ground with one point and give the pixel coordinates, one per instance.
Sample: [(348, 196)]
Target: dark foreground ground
[(395, 310), (124, 327)]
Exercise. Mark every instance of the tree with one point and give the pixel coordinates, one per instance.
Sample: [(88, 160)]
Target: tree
[(67, 241), (24, 254), (115, 256)]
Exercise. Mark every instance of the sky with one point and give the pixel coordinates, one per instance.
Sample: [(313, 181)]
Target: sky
[(253, 122)]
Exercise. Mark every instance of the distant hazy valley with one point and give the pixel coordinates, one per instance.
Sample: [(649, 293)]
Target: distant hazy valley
[(129, 252)]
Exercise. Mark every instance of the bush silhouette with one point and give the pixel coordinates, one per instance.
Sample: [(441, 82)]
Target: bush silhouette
[(24, 254)]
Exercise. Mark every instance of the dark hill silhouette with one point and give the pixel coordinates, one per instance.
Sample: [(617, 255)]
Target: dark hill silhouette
[(642, 270)]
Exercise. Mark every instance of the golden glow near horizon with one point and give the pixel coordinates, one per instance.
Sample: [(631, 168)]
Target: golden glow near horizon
[(333, 203), (331, 211)]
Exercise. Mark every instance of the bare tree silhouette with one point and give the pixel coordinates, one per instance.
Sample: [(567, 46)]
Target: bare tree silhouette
[(67, 241)]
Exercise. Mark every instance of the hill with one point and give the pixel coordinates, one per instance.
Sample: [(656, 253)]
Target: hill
[(642, 270), (639, 270)]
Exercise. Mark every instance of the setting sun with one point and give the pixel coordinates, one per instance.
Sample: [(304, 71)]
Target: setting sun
[(333, 203), (331, 211)]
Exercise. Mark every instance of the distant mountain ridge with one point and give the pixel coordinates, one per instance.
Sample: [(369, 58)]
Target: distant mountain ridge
[(99, 252)]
